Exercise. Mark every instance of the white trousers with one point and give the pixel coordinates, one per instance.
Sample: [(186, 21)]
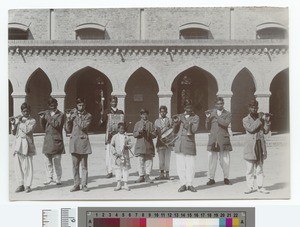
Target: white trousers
[(23, 170), (224, 158), (164, 156), (53, 162), (185, 168), (253, 170), (145, 165), (121, 172), (108, 159)]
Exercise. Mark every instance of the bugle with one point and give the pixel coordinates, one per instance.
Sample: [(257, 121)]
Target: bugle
[(70, 111), (15, 117), (208, 111), (176, 118), (42, 113), (189, 130), (266, 114)]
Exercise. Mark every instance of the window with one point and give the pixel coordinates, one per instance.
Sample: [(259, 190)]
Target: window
[(194, 31), (271, 31), (17, 31), (90, 31)]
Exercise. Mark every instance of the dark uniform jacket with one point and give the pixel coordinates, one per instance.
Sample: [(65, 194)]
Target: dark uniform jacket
[(255, 130), (144, 142), (186, 143), (53, 126), (218, 125), (78, 127)]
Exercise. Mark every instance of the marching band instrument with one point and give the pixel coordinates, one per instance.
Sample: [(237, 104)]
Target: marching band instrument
[(168, 137), (15, 117), (42, 113), (268, 114), (189, 130), (112, 124), (208, 112), (71, 111), (176, 118)]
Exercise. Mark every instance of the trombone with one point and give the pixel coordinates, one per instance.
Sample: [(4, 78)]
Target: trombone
[(15, 117)]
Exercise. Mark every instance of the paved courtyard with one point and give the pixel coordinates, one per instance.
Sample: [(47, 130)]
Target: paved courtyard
[(276, 168)]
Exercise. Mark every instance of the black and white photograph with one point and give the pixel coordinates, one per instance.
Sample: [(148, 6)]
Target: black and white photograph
[(162, 103)]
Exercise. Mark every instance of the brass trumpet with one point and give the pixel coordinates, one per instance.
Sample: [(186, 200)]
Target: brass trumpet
[(71, 111), (41, 113), (208, 112), (189, 130), (15, 117), (176, 118), (266, 114)]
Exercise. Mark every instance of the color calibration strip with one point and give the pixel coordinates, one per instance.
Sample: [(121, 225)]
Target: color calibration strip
[(165, 222), (166, 217)]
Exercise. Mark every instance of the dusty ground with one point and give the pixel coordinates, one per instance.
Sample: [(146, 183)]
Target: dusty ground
[(276, 170)]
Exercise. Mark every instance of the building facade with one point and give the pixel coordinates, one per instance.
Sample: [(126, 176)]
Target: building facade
[(151, 57)]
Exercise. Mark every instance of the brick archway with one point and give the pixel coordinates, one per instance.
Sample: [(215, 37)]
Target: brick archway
[(200, 86), (95, 87), (243, 89), (141, 92), (38, 89), (279, 101)]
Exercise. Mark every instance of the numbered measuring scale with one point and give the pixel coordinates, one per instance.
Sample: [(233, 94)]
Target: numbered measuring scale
[(154, 217)]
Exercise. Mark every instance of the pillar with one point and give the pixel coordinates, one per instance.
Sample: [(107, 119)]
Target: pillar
[(60, 97), (121, 99), (19, 98), (263, 99), (165, 100)]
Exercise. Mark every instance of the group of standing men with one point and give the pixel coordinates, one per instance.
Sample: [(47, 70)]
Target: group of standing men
[(184, 125)]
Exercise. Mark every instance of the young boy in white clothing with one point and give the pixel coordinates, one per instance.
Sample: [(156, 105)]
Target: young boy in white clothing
[(121, 144)]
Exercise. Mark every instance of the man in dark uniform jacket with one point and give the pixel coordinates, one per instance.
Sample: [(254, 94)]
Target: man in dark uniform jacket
[(219, 146), (186, 125), (52, 122), (77, 123), (109, 158), (144, 132)]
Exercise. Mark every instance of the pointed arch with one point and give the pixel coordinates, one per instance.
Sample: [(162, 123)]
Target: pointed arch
[(161, 80), (38, 89), (216, 75), (279, 101), (198, 85), (141, 92), (243, 89), (95, 87)]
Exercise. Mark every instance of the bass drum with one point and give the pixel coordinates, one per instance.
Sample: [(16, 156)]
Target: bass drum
[(168, 137)]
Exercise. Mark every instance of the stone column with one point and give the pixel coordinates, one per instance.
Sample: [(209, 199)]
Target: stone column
[(121, 99), (227, 104), (165, 100), (18, 99), (263, 99), (60, 96)]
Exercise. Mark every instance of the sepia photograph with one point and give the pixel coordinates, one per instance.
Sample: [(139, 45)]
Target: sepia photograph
[(149, 103)]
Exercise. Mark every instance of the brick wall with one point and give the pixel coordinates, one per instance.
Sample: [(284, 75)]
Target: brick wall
[(155, 24), (36, 19)]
